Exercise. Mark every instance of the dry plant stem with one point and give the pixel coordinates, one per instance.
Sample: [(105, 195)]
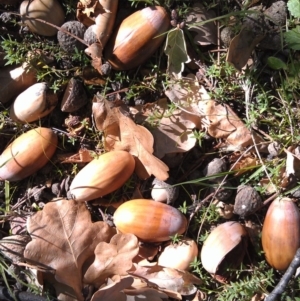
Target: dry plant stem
[(282, 284), (57, 27), (20, 296), (248, 95)]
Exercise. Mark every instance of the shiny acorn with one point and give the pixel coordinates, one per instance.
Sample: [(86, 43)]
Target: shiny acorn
[(102, 176), (137, 38), (35, 102), (224, 247), (179, 255), (150, 221), (27, 154), (281, 233), (47, 10)]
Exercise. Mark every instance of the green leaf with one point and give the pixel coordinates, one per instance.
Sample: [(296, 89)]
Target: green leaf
[(294, 8), (176, 51), (276, 63), (292, 38)]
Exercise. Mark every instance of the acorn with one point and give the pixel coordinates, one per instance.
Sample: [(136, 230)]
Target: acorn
[(150, 221), (137, 38), (164, 191), (281, 233), (179, 255), (14, 80), (102, 176), (224, 247), (49, 11), (34, 103), (27, 154)]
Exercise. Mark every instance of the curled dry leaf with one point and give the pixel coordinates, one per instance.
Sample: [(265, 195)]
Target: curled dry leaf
[(13, 247), (207, 33), (83, 156), (113, 258), (241, 47), (186, 94), (121, 133), (242, 163), (174, 133), (171, 281), (119, 289), (222, 122), (113, 290), (63, 238)]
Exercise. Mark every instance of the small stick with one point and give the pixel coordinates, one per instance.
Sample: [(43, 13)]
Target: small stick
[(282, 284)]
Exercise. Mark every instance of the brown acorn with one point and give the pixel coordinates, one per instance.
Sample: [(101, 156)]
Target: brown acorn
[(102, 176), (224, 247), (281, 233), (137, 38), (150, 221), (27, 154)]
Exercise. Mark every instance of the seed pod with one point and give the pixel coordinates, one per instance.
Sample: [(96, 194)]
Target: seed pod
[(150, 221), (137, 38), (74, 97), (281, 233), (46, 10), (66, 41), (247, 201), (34, 103), (27, 154), (224, 247), (102, 176), (179, 255)]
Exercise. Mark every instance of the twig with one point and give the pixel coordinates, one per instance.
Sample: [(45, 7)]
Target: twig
[(20, 296), (282, 284)]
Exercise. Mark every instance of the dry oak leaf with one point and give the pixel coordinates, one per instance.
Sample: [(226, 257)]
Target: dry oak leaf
[(121, 133), (207, 33), (171, 281), (113, 291), (186, 95), (113, 258), (174, 133), (118, 289), (222, 122), (241, 47), (63, 238), (13, 247)]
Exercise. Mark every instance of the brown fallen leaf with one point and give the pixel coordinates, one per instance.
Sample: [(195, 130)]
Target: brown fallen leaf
[(171, 281), (222, 122), (113, 291), (121, 133), (174, 133), (241, 163), (120, 289), (207, 33), (113, 258), (83, 156), (63, 238), (87, 11), (186, 94), (13, 247), (95, 52), (241, 47)]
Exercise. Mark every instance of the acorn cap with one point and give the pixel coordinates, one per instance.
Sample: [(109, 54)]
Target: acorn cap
[(66, 41)]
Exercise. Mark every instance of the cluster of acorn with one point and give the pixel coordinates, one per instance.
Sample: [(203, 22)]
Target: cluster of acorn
[(150, 221), (132, 43), (154, 221)]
